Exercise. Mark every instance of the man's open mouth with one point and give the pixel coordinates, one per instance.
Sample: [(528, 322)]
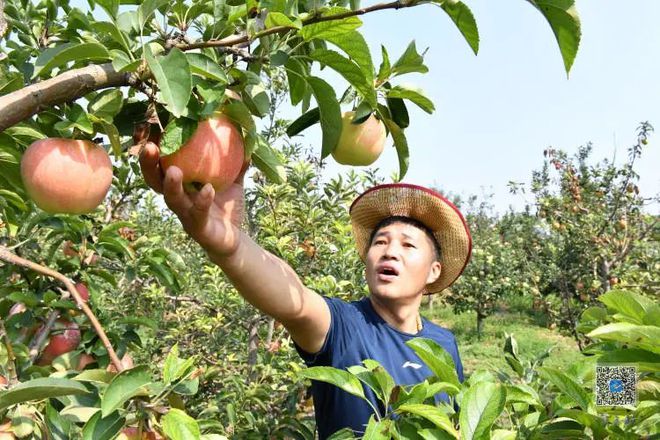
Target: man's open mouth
[(387, 273)]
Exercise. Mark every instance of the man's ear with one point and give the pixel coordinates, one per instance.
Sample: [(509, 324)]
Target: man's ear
[(434, 273)]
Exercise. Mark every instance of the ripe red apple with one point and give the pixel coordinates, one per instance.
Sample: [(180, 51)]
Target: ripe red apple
[(359, 144), (132, 433), (3, 380), (82, 291), (65, 337), (65, 175), (214, 154), (85, 360)]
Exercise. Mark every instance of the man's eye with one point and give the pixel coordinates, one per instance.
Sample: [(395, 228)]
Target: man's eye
[(378, 242), (410, 245)]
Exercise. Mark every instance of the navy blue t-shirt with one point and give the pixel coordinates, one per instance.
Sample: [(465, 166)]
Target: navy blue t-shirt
[(357, 333)]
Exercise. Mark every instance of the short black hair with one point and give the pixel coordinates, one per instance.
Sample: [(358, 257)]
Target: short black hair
[(408, 221)]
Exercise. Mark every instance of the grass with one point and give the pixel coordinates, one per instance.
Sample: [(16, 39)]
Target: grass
[(486, 353)]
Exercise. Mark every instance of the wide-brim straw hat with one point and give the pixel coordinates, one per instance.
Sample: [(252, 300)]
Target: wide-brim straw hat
[(425, 205)]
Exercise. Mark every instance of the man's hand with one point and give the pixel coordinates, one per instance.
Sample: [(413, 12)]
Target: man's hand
[(213, 220)]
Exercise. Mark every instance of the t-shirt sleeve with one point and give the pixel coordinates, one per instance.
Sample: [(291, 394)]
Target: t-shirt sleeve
[(458, 362), (337, 338)]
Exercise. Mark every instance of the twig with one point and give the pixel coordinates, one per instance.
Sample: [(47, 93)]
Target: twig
[(11, 365), (15, 259), (40, 338)]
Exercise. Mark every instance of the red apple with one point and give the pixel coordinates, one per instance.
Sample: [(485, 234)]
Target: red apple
[(65, 175), (84, 360), (65, 337), (82, 291), (360, 144), (214, 154), (126, 362)]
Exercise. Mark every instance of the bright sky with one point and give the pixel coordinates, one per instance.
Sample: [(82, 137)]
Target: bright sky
[(496, 112)]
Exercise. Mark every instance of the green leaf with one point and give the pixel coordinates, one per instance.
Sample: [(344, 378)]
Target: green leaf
[(10, 82), (125, 385), (172, 73), (266, 159), (176, 134), (414, 95), (104, 28), (96, 376), (355, 46), (147, 8), (644, 360), (349, 70), (339, 378), (113, 135), (58, 56), (204, 66), (433, 414), (38, 389), (106, 104), (409, 62), (103, 428), (401, 145), (330, 113), (109, 6), (327, 29), (177, 425), (462, 17), (522, 393), (565, 23), (642, 336), (567, 386), (304, 121), (628, 303), (481, 406), (378, 429), (385, 69), (296, 72), (278, 19), (398, 111)]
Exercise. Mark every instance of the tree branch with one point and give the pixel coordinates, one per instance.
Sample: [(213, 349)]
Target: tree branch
[(15, 259), (22, 104)]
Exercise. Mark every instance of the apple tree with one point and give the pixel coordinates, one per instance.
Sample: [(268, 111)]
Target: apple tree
[(108, 77)]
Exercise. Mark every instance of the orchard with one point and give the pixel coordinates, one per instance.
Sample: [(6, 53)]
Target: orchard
[(115, 325)]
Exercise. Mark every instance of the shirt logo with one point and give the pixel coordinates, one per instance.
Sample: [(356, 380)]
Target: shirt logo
[(411, 365)]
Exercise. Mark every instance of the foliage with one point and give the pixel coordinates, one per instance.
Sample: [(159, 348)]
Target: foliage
[(528, 401)]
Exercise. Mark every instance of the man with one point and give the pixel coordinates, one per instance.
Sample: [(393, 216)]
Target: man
[(413, 242)]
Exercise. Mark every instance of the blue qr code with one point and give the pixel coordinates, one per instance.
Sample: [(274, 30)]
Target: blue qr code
[(616, 385)]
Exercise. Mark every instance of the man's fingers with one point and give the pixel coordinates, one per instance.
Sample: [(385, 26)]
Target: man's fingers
[(150, 165), (175, 196), (202, 202)]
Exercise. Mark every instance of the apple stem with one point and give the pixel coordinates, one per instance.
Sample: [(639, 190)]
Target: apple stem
[(11, 365), (12, 258)]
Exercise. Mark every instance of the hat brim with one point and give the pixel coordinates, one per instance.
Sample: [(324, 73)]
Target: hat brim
[(425, 205)]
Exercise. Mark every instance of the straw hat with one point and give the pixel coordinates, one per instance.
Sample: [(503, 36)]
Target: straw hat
[(425, 205)]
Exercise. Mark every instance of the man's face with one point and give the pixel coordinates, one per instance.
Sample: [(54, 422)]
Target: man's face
[(400, 262)]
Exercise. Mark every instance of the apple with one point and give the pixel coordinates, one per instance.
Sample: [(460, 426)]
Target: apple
[(65, 338), (65, 175), (132, 433), (359, 144), (3, 380), (85, 360), (214, 154), (82, 291), (126, 362)]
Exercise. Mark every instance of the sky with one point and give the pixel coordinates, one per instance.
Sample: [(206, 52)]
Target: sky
[(496, 112)]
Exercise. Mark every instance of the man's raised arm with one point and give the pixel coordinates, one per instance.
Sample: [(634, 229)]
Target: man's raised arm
[(264, 280)]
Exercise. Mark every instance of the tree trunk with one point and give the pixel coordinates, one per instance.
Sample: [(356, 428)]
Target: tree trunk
[(253, 346), (480, 324), (271, 329)]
